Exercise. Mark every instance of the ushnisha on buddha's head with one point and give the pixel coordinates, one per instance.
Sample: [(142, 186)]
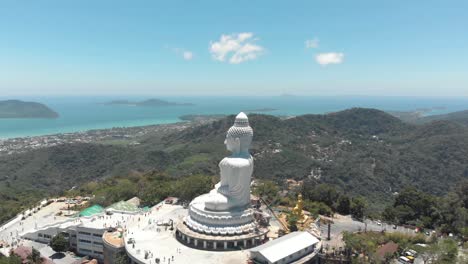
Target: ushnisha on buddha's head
[(239, 136)]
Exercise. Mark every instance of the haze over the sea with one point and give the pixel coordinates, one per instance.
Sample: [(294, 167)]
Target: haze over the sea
[(85, 113)]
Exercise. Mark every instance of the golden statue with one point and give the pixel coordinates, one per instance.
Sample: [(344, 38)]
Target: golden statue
[(297, 211)]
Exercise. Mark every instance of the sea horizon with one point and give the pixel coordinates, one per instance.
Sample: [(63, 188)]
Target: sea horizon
[(83, 113)]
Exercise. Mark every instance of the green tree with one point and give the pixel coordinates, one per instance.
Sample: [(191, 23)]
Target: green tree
[(35, 257), (390, 215), (316, 208), (449, 251), (59, 243), (358, 207), (292, 222), (462, 192), (267, 189), (464, 233), (343, 205), (189, 187), (325, 193), (352, 242), (12, 259)]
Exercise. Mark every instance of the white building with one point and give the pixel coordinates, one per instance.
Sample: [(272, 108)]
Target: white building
[(85, 233), (296, 247), (85, 238), (89, 242)]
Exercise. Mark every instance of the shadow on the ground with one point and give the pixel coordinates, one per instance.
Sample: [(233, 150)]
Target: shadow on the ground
[(58, 255)]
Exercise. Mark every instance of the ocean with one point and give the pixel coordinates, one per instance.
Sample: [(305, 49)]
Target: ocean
[(86, 113)]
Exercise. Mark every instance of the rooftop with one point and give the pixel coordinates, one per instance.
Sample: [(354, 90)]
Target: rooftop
[(123, 206), (95, 209), (114, 238), (286, 245)]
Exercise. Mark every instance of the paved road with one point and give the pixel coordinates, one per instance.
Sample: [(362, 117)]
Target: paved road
[(346, 223)]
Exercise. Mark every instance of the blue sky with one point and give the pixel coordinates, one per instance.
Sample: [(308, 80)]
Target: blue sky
[(175, 47)]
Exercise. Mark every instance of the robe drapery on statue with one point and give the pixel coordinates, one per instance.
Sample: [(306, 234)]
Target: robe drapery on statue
[(233, 191)]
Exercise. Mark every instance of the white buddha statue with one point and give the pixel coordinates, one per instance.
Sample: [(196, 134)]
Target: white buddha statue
[(226, 209), (233, 191)]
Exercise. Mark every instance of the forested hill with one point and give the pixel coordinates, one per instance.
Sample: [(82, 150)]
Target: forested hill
[(20, 109), (415, 117), (363, 151), (460, 117), (360, 151)]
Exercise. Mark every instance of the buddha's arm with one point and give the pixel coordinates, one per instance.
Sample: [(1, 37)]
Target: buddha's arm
[(224, 172), (235, 185), (239, 181)]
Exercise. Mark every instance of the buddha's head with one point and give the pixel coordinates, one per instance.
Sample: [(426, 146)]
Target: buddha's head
[(239, 136)]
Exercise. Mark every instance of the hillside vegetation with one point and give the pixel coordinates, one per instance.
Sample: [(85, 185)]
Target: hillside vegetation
[(20, 109), (460, 117), (415, 117), (361, 152)]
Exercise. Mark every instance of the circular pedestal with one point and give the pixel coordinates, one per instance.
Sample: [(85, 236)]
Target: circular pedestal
[(203, 241), (233, 222)]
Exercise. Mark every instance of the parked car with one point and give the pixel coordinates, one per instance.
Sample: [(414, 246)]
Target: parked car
[(403, 260)]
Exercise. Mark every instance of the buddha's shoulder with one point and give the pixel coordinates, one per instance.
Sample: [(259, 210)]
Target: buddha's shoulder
[(237, 161)]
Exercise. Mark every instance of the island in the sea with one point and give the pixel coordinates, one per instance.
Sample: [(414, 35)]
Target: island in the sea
[(21, 109), (149, 102)]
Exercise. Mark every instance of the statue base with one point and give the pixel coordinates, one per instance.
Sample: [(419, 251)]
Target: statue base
[(233, 222), (202, 241), (233, 229)]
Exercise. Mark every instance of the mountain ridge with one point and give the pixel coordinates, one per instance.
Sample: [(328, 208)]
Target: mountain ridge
[(360, 151), (22, 109)]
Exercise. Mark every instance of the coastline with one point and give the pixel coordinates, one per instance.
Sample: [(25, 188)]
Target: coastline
[(129, 135), (115, 135), (87, 113)]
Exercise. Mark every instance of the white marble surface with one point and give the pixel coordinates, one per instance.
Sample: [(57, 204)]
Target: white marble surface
[(226, 209)]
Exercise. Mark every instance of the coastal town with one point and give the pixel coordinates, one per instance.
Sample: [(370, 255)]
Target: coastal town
[(121, 135)]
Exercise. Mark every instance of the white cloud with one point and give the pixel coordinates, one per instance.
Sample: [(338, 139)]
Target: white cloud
[(312, 43), (236, 48), (329, 58), (188, 55)]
